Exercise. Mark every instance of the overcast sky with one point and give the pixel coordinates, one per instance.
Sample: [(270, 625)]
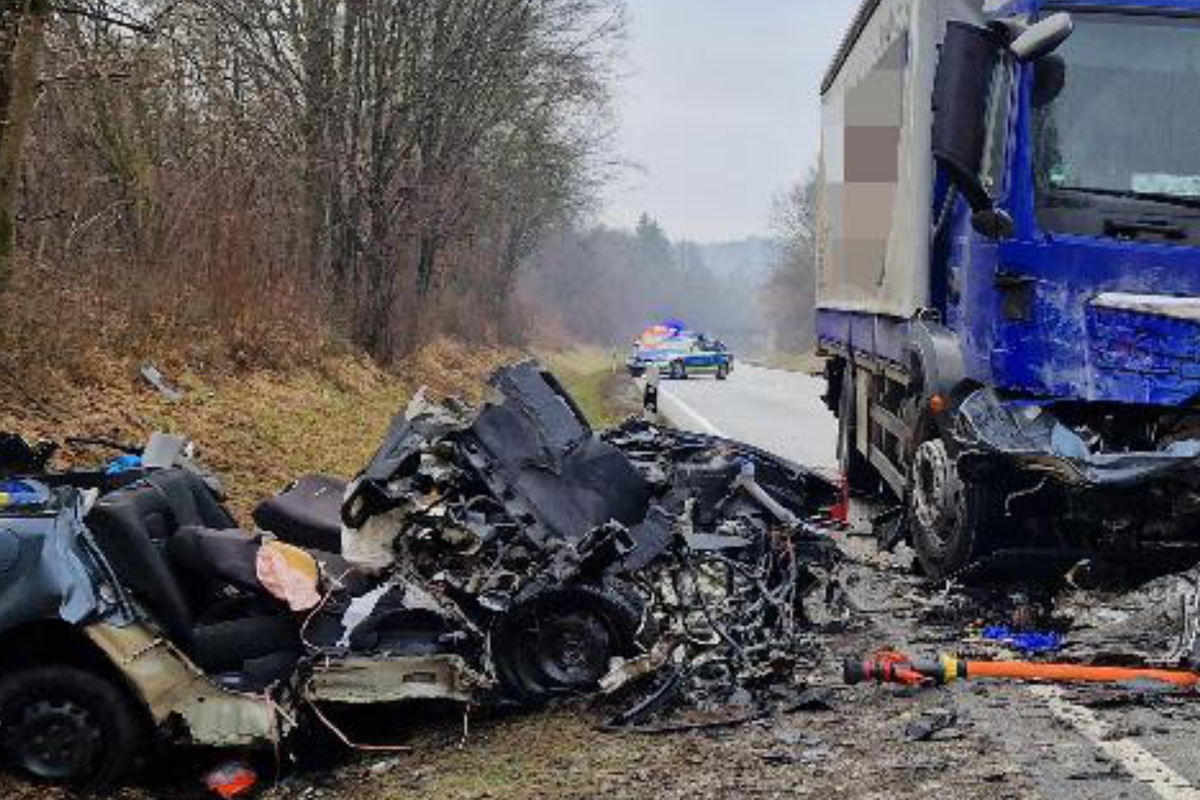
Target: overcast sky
[(720, 109)]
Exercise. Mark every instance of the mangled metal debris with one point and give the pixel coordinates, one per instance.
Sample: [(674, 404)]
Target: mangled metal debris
[(727, 594), (1032, 436), (505, 554), (555, 559)]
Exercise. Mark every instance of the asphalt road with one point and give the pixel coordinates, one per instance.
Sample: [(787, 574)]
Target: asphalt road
[(776, 410), (1066, 745)]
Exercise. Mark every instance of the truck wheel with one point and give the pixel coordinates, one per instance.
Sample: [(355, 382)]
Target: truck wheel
[(722, 372), (67, 725), (954, 522), (859, 474)]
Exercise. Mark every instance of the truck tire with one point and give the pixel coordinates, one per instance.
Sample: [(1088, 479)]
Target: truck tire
[(860, 476), (954, 522), (68, 725)]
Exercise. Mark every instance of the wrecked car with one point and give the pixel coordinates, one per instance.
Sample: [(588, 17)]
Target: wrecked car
[(501, 555)]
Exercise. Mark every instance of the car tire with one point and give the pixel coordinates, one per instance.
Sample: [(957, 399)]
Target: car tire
[(560, 641), (954, 522), (68, 725)]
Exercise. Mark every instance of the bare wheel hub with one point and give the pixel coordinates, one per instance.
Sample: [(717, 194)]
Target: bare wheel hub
[(56, 740)]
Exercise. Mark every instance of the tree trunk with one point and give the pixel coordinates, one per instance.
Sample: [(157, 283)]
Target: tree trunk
[(427, 252), (22, 37)]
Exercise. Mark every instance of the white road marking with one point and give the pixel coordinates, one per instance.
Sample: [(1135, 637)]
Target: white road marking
[(700, 420), (1144, 766)]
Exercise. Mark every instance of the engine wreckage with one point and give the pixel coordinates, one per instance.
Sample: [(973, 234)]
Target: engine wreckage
[(499, 555)]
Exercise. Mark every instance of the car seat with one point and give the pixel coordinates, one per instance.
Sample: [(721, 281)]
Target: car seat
[(133, 528), (307, 514)]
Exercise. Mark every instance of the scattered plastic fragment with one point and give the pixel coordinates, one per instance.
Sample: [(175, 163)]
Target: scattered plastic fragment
[(1025, 641), (122, 464), (156, 379), (928, 726), (232, 779)]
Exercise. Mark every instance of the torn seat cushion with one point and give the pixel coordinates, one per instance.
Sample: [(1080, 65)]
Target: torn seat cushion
[(307, 514), (251, 562)]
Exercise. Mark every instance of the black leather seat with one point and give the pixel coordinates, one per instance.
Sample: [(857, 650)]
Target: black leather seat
[(134, 526), (307, 514)]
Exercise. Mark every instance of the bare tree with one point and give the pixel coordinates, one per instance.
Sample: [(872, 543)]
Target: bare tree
[(395, 162), (22, 35), (790, 296)]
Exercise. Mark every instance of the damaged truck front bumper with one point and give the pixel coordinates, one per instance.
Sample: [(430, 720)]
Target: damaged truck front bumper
[(1138, 467)]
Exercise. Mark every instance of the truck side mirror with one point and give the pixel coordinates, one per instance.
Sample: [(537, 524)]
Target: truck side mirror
[(1049, 79), (962, 89), (1043, 37)]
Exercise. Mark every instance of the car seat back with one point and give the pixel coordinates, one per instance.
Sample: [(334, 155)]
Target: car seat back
[(127, 524)]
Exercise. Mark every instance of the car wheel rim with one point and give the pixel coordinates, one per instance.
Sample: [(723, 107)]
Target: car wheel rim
[(571, 652), (56, 740)]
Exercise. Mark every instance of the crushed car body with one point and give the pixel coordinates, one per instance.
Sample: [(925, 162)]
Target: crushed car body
[(505, 554)]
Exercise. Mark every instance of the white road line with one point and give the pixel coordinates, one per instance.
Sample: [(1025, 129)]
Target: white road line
[(700, 420), (1144, 766)]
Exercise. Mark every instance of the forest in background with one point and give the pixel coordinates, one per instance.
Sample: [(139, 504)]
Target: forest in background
[(290, 171), (245, 183), (601, 285)]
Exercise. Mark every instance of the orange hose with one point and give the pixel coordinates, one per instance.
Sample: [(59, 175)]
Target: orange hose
[(1074, 673)]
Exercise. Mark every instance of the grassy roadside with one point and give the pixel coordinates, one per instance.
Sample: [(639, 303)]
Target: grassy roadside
[(597, 380), (259, 430)]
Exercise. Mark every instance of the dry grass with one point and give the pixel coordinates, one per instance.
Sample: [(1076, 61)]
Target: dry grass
[(596, 378), (257, 430)]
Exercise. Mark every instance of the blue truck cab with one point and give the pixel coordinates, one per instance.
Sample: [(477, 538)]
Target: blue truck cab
[(1011, 306)]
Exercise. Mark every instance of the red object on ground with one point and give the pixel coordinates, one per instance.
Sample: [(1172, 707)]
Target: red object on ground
[(841, 511), (231, 780)]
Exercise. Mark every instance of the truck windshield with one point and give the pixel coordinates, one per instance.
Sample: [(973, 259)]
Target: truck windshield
[(1117, 113)]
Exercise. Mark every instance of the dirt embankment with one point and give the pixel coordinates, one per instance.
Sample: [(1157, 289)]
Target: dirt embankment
[(257, 430)]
